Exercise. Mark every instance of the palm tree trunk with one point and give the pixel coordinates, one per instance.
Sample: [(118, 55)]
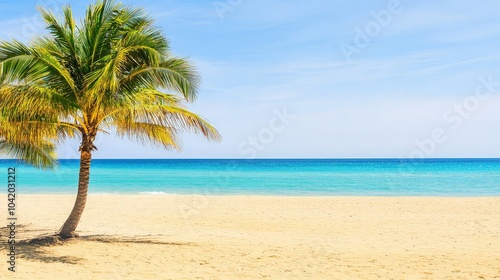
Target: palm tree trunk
[(69, 227)]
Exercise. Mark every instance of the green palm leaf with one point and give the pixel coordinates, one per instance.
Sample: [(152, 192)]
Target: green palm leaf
[(114, 70)]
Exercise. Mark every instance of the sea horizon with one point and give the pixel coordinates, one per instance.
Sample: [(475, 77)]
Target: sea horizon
[(278, 158), (457, 177)]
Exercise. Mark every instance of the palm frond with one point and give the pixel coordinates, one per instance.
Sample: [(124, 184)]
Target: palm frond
[(174, 74), (153, 107), (29, 142), (79, 79), (145, 133), (41, 154)]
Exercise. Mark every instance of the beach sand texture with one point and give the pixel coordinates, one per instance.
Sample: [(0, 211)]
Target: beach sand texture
[(260, 237)]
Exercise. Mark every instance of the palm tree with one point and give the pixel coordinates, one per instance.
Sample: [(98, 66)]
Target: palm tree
[(26, 139), (113, 71), (29, 144)]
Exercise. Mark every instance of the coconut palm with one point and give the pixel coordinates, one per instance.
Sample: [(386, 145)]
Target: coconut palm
[(26, 139), (27, 144), (111, 73)]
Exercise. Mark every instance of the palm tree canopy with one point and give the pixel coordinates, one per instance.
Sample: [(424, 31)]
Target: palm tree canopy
[(28, 141), (114, 70)]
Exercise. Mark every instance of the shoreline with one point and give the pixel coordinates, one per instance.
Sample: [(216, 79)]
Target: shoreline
[(263, 195)]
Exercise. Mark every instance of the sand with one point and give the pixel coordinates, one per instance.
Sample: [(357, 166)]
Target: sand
[(258, 237)]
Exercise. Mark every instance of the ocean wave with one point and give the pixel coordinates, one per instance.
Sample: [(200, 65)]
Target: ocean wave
[(156, 193), (104, 193)]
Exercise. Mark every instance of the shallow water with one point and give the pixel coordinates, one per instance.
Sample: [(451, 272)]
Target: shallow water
[(370, 177)]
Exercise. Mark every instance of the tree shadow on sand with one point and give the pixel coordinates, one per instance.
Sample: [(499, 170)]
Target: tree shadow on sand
[(35, 251), (132, 239), (38, 248), (42, 254)]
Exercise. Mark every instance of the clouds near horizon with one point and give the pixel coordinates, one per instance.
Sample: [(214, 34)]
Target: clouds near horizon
[(406, 71)]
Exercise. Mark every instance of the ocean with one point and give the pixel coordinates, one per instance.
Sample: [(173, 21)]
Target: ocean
[(291, 177)]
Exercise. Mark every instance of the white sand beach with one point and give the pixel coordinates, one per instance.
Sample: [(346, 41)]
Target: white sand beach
[(258, 237)]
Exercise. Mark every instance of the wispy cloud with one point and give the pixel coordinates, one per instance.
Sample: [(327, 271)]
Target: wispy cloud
[(263, 55)]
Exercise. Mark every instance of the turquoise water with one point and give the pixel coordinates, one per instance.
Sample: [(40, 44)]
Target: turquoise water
[(392, 177)]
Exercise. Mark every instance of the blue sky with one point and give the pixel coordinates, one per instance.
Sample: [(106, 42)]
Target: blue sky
[(324, 78)]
